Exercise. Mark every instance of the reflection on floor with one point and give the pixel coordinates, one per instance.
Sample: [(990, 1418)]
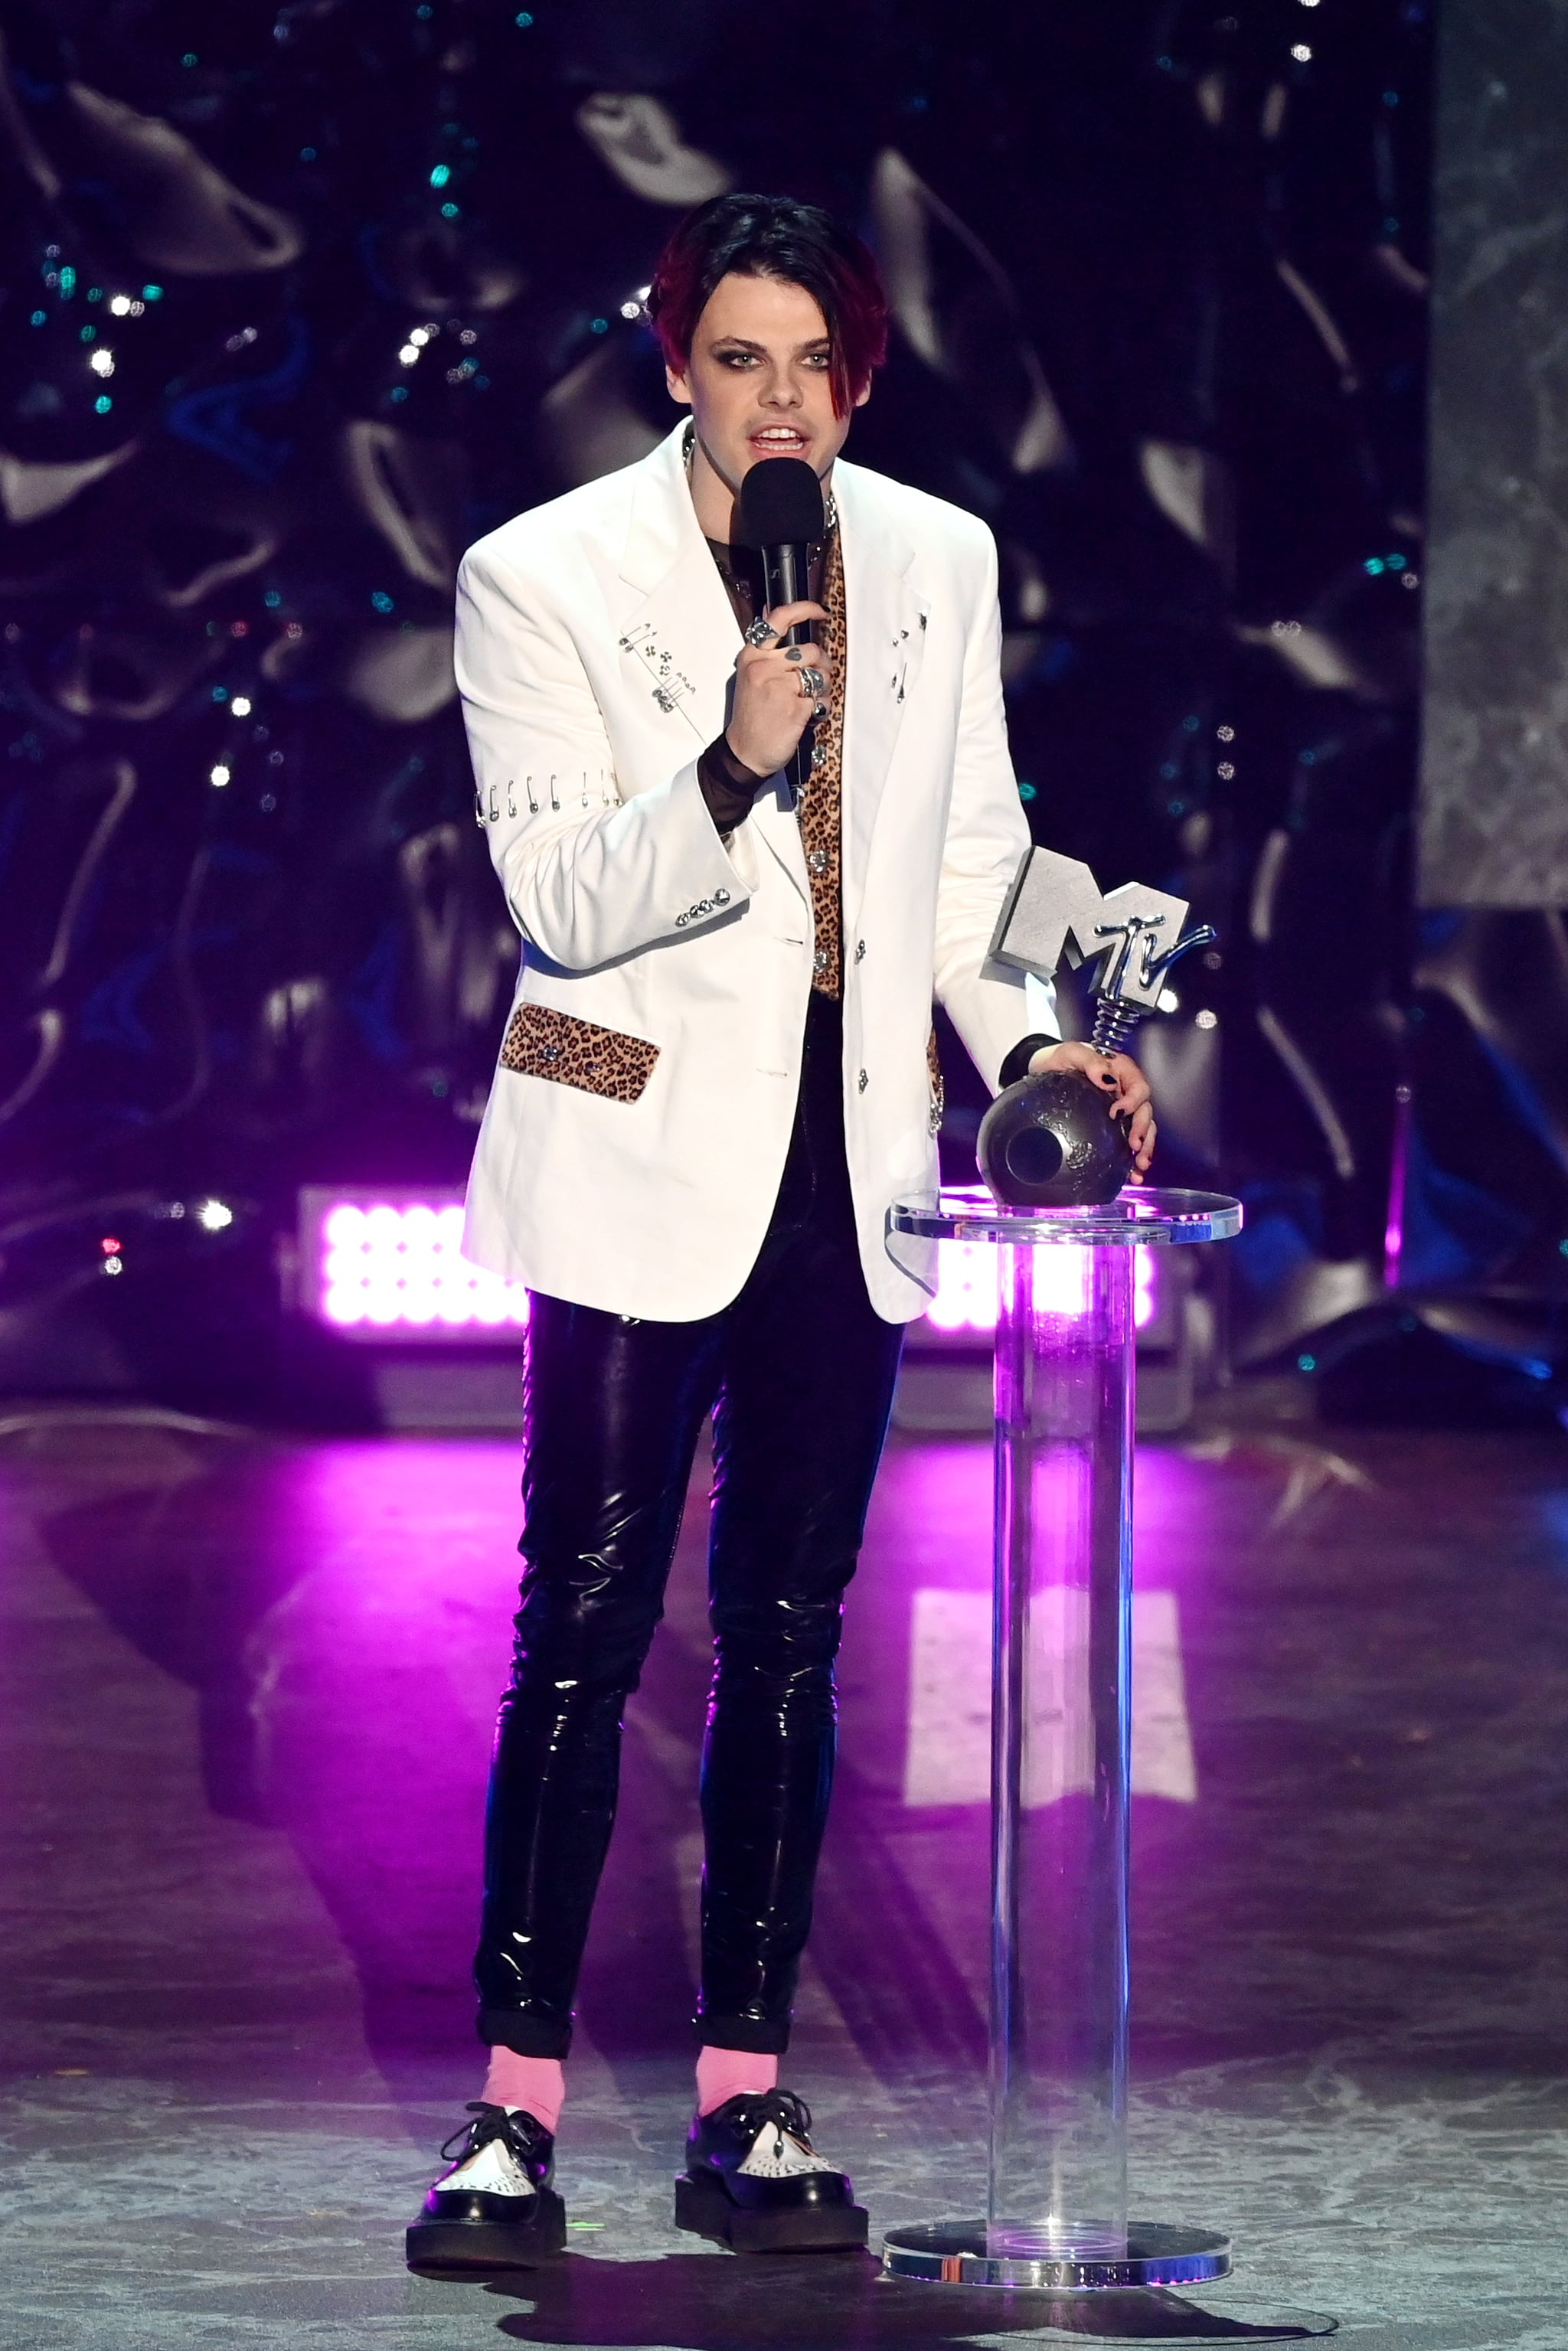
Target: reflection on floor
[(947, 1741), (248, 1687)]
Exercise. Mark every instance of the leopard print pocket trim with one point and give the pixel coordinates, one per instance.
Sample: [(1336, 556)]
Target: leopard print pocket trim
[(541, 1042)]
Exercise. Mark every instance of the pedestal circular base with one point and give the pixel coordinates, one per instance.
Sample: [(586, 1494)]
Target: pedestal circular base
[(1138, 1218), (953, 2253)]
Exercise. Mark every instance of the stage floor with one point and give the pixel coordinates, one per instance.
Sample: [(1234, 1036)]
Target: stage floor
[(248, 1686)]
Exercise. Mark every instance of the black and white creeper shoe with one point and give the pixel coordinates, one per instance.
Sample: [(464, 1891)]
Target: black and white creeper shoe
[(495, 2208), (753, 2182)]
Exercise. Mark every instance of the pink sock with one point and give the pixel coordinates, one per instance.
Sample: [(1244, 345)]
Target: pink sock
[(536, 2084), (725, 2072)]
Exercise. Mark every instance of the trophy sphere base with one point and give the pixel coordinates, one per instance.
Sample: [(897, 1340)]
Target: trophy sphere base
[(953, 2253), (1050, 1142)]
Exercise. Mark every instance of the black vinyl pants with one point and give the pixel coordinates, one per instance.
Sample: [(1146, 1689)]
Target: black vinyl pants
[(798, 1373)]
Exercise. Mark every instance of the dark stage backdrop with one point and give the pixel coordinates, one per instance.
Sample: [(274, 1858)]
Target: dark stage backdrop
[(300, 299)]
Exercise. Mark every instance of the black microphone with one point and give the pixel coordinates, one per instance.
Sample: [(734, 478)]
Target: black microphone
[(780, 513)]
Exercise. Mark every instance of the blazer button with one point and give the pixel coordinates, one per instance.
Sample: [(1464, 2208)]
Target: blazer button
[(864, 1081), (859, 951)]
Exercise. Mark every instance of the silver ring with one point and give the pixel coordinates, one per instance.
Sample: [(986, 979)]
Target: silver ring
[(759, 631), (812, 683)]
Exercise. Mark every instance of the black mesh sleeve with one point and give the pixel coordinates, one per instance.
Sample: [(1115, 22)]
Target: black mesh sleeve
[(1016, 1065), (728, 786)]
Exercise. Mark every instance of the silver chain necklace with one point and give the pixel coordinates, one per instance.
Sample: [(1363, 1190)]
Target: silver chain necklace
[(830, 503)]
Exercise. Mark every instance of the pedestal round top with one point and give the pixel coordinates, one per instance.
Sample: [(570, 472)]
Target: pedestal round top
[(1138, 1218)]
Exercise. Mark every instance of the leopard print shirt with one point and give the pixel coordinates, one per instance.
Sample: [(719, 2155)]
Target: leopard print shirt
[(821, 809), (820, 801)]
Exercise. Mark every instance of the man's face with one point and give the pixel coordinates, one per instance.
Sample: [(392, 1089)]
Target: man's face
[(757, 378)]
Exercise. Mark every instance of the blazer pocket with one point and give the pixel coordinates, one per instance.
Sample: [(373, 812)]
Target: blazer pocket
[(541, 1042)]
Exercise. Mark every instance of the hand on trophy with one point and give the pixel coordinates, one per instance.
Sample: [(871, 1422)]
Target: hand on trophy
[(1126, 1093)]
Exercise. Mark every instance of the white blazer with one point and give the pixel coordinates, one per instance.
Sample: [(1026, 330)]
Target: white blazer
[(595, 648)]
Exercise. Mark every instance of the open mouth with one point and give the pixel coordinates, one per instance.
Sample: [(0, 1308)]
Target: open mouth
[(779, 441)]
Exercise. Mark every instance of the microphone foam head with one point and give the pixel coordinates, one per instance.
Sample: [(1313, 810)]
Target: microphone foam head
[(781, 504)]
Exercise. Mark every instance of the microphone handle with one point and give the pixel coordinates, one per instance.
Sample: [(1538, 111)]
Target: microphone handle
[(786, 577)]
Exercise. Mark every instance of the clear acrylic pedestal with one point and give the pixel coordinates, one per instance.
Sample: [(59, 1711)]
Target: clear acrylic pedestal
[(1056, 2207)]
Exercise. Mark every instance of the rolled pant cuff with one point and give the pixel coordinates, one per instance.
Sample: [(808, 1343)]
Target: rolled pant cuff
[(761, 2040), (529, 2036)]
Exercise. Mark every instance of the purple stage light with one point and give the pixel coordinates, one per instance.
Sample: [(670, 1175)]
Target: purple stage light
[(386, 1266), (1144, 1298), (389, 1266), (966, 1297), (965, 1307), (966, 1300)]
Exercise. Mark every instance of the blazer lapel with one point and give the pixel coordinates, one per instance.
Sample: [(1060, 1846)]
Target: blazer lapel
[(675, 630), (884, 627), (677, 634)]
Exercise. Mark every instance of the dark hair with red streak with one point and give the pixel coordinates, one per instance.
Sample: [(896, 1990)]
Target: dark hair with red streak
[(774, 236)]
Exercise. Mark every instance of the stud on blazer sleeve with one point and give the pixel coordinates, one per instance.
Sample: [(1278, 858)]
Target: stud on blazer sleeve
[(588, 877)]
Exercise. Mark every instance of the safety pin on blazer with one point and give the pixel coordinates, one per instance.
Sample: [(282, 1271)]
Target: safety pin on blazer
[(671, 685), (901, 671)]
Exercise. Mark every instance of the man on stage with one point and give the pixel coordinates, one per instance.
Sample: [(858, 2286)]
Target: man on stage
[(714, 1081)]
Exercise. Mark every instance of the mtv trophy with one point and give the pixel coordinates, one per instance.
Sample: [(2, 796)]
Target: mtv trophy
[(1047, 1141)]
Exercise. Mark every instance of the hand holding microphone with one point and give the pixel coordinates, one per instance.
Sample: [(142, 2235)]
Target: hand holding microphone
[(780, 675), (778, 685)]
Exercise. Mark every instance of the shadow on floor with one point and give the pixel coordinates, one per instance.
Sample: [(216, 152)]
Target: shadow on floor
[(833, 2302)]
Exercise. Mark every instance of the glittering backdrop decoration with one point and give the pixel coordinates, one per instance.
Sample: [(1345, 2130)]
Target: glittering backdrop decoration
[(299, 299), (1494, 816)]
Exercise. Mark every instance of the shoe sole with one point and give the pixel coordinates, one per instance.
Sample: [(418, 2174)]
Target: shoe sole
[(703, 2208), (489, 2245)]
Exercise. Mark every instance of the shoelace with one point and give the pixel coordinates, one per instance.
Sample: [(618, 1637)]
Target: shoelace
[(753, 2110), (520, 2132)]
